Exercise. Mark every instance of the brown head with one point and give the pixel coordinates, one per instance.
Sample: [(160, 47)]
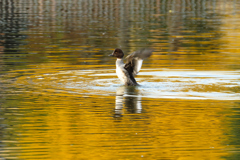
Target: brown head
[(117, 53)]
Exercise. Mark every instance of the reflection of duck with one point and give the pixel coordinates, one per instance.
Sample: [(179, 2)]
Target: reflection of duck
[(131, 101), (127, 72)]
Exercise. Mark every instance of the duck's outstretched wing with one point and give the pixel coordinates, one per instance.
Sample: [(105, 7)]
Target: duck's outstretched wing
[(135, 59)]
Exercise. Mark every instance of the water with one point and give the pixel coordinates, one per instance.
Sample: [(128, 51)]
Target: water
[(60, 97)]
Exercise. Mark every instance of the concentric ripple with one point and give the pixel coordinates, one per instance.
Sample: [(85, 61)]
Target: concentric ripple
[(161, 83)]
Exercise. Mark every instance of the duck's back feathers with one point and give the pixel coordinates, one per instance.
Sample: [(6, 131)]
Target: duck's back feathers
[(135, 59)]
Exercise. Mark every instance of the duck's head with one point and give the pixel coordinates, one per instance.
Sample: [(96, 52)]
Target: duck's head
[(117, 53)]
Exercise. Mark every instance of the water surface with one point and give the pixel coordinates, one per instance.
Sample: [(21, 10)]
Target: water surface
[(60, 97)]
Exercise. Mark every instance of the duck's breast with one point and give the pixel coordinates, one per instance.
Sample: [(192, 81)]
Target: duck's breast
[(121, 74)]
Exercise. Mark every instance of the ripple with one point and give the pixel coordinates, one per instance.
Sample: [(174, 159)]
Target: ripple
[(184, 84)]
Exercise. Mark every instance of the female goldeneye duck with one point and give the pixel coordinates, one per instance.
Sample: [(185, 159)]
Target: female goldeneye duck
[(126, 72)]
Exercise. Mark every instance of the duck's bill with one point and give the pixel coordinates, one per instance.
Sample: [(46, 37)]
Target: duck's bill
[(110, 55)]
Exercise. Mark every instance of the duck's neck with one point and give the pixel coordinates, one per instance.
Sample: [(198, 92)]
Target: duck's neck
[(119, 62)]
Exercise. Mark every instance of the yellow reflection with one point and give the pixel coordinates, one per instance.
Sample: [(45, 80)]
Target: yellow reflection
[(63, 119), (66, 126)]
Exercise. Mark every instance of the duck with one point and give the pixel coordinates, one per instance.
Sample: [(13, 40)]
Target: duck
[(126, 72)]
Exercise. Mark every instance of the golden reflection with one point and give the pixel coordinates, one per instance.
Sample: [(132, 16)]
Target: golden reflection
[(56, 103), (77, 122), (66, 125)]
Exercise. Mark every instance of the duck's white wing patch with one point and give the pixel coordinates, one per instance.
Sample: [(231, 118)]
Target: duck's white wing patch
[(137, 67), (134, 60)]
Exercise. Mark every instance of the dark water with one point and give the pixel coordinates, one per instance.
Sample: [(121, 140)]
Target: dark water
[(60, 97)]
